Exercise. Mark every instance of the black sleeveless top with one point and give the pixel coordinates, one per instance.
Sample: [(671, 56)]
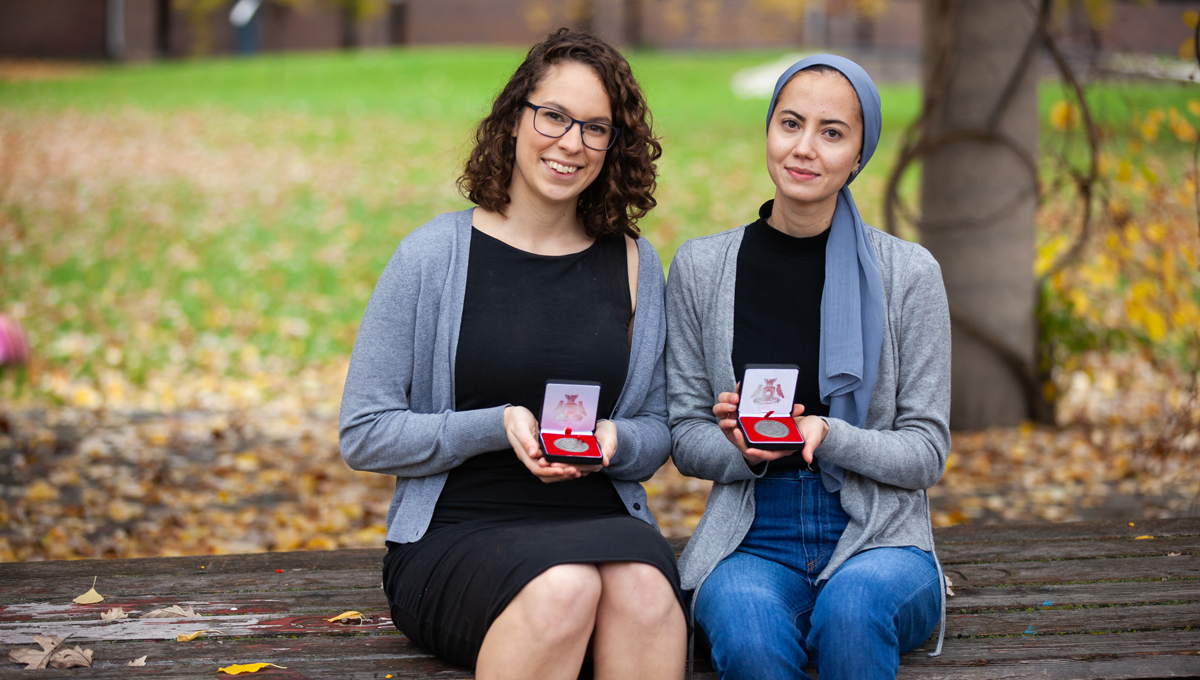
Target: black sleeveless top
[(528, 318)]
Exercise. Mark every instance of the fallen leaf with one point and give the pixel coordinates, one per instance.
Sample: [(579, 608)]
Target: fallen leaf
[(239, 668), (32, 658), (72, 658), (949, 586), (91, 596), (1141, 538), (140, 661), (172, 611), (1173, 554), (347, 616), (188, 637), (114, 613)]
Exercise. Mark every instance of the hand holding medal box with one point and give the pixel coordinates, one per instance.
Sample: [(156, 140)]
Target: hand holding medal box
[(569, 421), (765, 407)]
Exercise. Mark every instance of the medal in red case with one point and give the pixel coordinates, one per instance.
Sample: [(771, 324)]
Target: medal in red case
[(568, 422), (765, 407)]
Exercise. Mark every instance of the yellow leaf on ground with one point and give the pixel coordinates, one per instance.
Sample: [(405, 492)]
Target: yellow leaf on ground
[(91, 596), (114, 613), (1139, 538), (140, 661), (344, 616), (1194, 107), (239, 668), (188, 637)]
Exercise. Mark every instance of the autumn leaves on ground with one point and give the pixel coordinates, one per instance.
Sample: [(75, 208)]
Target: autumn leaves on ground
[(190, 247)]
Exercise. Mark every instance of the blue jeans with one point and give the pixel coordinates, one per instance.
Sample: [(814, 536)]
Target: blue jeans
[(766, 617)]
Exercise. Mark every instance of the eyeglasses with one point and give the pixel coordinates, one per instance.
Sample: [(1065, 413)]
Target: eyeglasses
[(554, 123)]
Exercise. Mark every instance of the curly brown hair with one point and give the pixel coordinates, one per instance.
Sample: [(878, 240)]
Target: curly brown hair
[(623, 192)]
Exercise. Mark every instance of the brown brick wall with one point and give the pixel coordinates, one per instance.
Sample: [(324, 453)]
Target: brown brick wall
[(57, 29)]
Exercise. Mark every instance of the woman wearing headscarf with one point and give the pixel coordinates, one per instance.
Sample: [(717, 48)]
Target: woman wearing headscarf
[(822, 554), (498, 559)]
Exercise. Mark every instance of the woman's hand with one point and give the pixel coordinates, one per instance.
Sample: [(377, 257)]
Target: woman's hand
[(522, 430), (814, 429), (726, 412)]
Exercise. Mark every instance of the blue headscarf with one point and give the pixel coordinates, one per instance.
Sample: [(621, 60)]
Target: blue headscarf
[(852, 302)]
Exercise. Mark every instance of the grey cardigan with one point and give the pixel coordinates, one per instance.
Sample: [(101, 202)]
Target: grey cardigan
[(398, 414), (888, 464)]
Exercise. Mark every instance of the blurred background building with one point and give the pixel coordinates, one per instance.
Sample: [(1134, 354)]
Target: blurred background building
[(148, 29)]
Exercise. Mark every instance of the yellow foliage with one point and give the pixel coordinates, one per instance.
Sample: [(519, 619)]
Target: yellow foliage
[(1182, 129), (1187, 50), (1151, 123), (1064, 116), (1194, 107), (1124, 171)]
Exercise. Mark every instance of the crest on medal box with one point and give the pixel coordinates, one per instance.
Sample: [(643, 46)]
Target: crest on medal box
[(570, 410), (767, 393)]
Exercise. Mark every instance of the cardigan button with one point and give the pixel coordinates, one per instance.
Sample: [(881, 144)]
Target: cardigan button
[(637, 506)]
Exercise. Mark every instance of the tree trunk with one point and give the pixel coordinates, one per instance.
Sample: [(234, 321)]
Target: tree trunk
[(979, 199)]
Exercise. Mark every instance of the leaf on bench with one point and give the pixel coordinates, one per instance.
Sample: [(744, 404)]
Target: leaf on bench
[(113, 614), (72, 658), (172, 611), (91, 596), (188, 637), (348, 617), (138, 662), (239, 668), (50, 654)]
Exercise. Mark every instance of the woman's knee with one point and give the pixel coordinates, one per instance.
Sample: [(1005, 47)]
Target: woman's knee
[(638, 593), (561, 600)]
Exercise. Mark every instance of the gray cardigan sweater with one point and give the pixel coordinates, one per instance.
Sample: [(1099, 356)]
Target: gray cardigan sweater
[(888, 464), (398, 414)]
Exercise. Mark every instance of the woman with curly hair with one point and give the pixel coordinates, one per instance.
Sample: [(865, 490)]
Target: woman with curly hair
[(497, 558)]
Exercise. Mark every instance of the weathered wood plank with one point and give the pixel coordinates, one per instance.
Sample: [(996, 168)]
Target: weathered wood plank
[(968, 553), (1061, 531), (305, 601), (1054, 646), (1073, 594), (167, 629), (1083, 620), (191, 585), (1177, 665), (252, 563), (1159, 654), (1074, 571)]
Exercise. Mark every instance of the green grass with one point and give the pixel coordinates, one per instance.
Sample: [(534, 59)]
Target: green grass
[(224, 213)]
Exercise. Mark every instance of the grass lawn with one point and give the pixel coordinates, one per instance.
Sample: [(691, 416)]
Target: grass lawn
[(229, 217)]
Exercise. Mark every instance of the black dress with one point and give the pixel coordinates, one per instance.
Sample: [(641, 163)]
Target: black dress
[(526, 318)]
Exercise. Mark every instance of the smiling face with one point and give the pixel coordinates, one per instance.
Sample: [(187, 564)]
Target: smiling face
[(556, 170), (814, 139)]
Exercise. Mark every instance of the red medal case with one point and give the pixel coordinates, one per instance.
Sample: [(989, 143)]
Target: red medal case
[(568, 422), (765, 407)]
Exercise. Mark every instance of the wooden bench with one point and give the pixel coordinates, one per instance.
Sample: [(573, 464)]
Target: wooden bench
[(1076, 600)]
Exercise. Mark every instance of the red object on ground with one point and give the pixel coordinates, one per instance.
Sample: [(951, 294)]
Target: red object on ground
[(14, 347), (278, 571)]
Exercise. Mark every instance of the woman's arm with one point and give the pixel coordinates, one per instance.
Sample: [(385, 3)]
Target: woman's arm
[(911, 455), (699, 447), (379, 431)]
